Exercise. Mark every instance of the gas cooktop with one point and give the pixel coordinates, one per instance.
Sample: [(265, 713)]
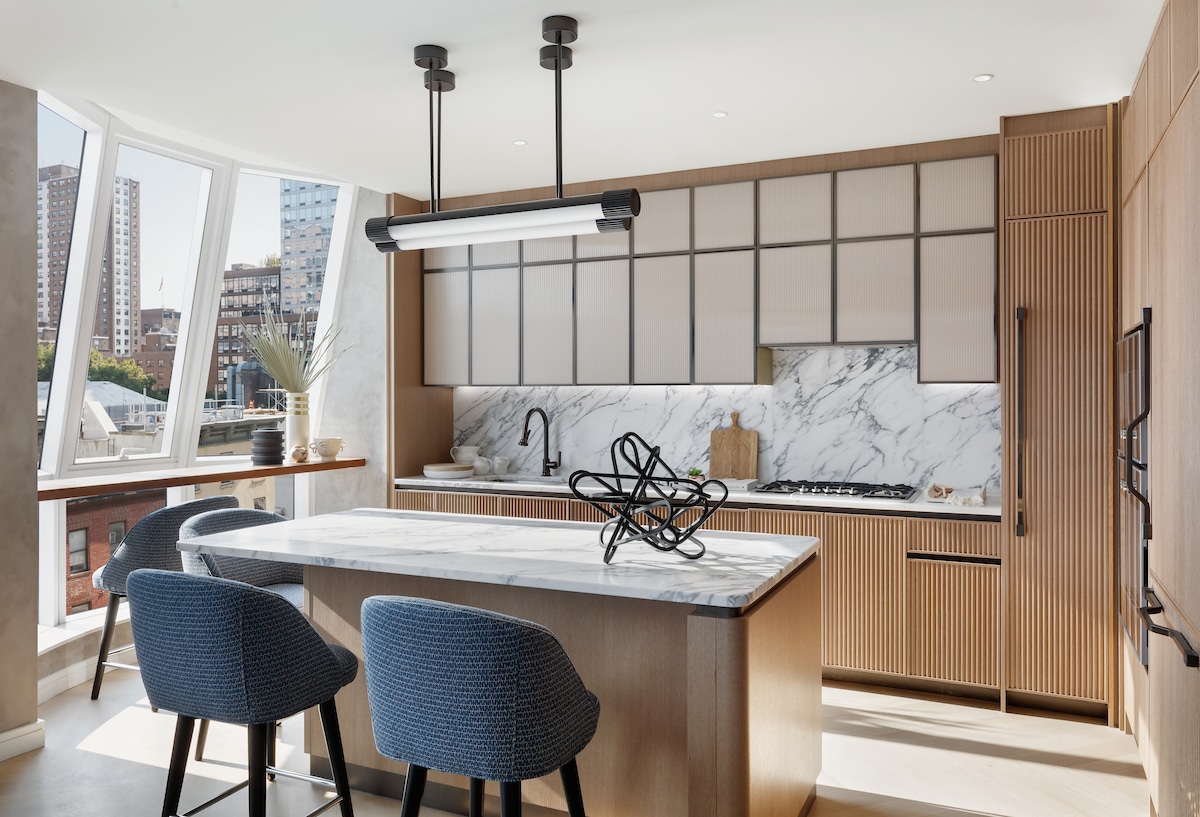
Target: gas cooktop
[(865, 490)]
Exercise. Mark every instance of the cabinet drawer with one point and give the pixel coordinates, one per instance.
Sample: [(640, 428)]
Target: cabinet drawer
[(954, 621), (954, 538)]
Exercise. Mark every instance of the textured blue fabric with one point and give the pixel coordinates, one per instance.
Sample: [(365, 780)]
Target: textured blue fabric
[(472, 692), (226, 651), (151, 542), (258, 572)]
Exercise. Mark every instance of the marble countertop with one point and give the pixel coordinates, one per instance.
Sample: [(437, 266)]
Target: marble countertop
[(736, 570), (848, 504)]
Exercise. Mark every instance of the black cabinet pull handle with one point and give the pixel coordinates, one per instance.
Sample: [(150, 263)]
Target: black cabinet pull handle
[(1129, 434), (1153, 606), (1020, 527)]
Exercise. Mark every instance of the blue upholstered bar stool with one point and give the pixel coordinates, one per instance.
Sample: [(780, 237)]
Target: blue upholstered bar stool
[(226, 651), (284, 578), (150, 543), (476, 693)]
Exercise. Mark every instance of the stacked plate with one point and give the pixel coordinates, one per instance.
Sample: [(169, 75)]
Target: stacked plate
[(450, 470), (267, 447)]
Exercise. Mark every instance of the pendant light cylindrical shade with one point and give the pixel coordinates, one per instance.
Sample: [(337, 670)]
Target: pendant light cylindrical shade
[(579, 215)]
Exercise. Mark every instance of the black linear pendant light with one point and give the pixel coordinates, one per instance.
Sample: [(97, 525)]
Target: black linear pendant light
[(611, 211)]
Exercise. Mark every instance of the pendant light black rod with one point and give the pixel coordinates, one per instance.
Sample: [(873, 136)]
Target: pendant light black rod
[(439, 152), (432, 196), (558, 135)]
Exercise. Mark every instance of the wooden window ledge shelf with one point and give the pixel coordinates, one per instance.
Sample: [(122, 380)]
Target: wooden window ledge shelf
[(98, 485)]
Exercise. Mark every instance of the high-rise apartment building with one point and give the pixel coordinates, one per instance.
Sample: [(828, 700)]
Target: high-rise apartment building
[(117, 329), (306, 224)]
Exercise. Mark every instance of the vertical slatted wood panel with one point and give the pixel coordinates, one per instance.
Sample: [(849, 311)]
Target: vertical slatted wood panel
[(788, 523), (1050, 174), (536, 507), (583, 512), (1059, 574), (1174, 723), (1135, 292), (724, 215), (863, 585), (1185, 47), (416, 501), (1158, 75), (1135, 137), (724, 519), (952, 537), (954, 621), (482, 504)]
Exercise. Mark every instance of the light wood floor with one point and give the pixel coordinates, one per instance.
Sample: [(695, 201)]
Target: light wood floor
[(885, 755)]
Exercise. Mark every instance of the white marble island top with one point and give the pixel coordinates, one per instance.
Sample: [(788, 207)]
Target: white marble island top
[(736, 570)]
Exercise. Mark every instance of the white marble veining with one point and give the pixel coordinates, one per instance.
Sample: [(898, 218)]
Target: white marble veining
[(834, 413), (737, 569), (847, 504)]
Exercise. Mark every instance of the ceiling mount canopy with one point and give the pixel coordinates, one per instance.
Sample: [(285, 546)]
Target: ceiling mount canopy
[(611, 211)]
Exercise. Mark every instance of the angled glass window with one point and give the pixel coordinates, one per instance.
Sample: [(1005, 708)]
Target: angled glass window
[(60, 150), (137, 319)]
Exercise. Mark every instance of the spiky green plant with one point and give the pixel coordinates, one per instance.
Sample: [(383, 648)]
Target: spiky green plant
[(288, 360)]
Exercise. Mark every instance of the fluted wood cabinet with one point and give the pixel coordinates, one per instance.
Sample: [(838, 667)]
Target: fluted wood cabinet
[(1057, 357)]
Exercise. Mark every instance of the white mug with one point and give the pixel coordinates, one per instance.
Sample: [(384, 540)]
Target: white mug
[(499, 465), (464, 453), (482, 466)]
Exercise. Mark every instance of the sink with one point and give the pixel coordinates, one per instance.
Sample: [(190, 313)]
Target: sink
[(532, 478)]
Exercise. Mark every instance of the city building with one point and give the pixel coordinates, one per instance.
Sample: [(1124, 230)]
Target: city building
[(117, 329), (305, 226), (157, 356), (160, 320)]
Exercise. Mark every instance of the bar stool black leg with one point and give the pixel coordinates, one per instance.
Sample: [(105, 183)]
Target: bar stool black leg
[(201, 739), (475, 809), (179, 759), (414, 790), (256, 768), (510, 798), (271, 727), (110, 624), (570, 780), (337, 757)]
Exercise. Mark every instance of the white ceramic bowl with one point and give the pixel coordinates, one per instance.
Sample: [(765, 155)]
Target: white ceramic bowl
[(450, 470)]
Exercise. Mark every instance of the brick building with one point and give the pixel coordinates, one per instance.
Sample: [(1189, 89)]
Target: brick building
[(95, 526)]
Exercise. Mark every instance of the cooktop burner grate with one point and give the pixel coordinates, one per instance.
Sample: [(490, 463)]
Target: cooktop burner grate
[(866, 490)]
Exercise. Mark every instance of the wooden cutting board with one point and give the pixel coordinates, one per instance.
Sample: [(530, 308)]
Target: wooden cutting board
[(733, 452)]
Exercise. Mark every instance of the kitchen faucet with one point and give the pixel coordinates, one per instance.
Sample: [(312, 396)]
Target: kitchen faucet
[(547, 463)]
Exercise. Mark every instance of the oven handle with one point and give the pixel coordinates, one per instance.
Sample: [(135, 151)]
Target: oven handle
[(1021, 315), (1153, 607)]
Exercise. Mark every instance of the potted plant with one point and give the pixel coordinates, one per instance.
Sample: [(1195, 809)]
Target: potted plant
[(695, 474), (294, 366)]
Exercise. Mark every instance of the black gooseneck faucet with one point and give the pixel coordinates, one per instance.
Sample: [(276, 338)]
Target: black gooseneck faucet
[(547, 463)]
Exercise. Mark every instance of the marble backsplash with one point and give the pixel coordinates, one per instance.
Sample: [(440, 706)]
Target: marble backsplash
[(834, 413)]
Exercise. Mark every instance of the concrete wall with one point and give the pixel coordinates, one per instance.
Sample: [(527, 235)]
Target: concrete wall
[(18, 408)]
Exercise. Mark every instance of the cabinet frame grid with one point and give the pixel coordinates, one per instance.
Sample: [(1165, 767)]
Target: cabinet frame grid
[(692, 284)]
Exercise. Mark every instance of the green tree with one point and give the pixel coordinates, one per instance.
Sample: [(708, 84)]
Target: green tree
[(45, 361), (271, 260), (122, 371)]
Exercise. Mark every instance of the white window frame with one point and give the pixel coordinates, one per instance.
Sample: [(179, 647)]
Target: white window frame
[(104, 135)]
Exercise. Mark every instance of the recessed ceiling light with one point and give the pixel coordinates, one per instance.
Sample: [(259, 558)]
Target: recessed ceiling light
[(983, 77), (519, 142), (720, 114)]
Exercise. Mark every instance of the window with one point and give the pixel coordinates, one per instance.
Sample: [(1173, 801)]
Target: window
[(116, 534), (77, 548), (81, 608)]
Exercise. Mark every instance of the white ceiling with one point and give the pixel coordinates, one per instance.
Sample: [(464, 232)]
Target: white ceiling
[(330, 87)]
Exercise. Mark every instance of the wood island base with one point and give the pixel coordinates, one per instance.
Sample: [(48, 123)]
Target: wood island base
[(704, 713)]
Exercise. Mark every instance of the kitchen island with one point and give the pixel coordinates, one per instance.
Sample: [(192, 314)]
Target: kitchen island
[(708, 671)]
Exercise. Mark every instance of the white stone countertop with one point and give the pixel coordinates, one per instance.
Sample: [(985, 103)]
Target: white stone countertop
[(736, 570), (846, 504)]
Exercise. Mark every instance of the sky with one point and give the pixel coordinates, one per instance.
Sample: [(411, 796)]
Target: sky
[(170, 196)]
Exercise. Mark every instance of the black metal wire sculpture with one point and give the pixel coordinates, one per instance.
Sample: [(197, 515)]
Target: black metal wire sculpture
[(649, 502)]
